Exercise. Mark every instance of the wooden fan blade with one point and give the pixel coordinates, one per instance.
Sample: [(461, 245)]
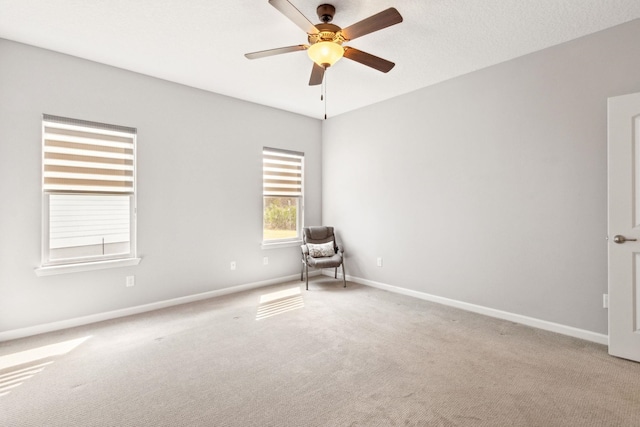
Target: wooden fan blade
[(376, 22), (368, 59), (291, 12), (278, 51), (317, 74)]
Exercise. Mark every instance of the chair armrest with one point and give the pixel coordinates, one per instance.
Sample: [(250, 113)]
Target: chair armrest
[(305, 249), (340, 249)]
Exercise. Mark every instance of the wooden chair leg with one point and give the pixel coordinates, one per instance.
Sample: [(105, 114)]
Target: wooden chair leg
[(335, 273), (306, 267), (344, 276)]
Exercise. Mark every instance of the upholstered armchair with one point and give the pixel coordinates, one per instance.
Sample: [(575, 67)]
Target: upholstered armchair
[(320, 250)]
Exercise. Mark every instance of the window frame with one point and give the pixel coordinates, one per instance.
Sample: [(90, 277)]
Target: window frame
[(87, 262), (289, 241)]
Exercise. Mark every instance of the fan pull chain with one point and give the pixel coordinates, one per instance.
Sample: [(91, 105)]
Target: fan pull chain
[(324, 85)]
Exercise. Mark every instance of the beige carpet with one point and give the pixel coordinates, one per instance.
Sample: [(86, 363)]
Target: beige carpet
[(327, 357)]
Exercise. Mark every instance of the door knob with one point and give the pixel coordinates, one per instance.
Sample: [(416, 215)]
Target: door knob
[(621, 239)]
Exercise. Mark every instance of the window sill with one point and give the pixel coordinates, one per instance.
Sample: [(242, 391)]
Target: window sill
[(85, 266), (276, 245)]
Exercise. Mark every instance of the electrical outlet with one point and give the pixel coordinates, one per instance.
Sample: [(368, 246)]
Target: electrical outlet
[(131, 280), (233, 265), (379, 262), (605, 300), (265, 260)]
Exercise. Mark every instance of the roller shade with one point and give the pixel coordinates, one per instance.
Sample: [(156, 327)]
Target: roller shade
[(87, 157), (281, 173)]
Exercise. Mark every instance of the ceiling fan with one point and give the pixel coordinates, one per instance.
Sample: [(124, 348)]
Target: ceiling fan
[(325, 39)]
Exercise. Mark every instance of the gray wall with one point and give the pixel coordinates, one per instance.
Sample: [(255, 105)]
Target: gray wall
[(489, 188), (199, 185)]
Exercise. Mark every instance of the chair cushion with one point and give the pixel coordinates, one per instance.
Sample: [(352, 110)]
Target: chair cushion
[(321, 250), (326, 262)]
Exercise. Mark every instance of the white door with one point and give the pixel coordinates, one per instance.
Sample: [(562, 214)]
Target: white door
[(624, 226)]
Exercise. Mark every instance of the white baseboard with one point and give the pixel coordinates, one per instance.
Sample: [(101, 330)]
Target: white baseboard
[(492, 312), (99, 317), (517, 318)]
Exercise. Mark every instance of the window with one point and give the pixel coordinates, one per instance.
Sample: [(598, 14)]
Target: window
[(282, 195), (88, 191)]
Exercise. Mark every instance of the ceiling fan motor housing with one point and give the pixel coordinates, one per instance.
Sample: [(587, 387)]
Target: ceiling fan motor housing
[(327, 33)]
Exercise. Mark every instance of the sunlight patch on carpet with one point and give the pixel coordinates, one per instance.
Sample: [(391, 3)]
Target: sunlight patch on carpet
[(28, 363), (279, 302), (15, 378)]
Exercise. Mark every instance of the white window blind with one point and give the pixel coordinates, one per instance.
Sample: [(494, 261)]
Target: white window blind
[(281, 173), (82, 220), (82, 157)]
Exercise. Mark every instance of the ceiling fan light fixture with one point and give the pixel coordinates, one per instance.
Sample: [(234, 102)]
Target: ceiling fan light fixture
[(325, 53)]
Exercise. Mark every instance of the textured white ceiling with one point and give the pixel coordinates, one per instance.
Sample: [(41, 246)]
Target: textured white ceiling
[(201, 43)]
